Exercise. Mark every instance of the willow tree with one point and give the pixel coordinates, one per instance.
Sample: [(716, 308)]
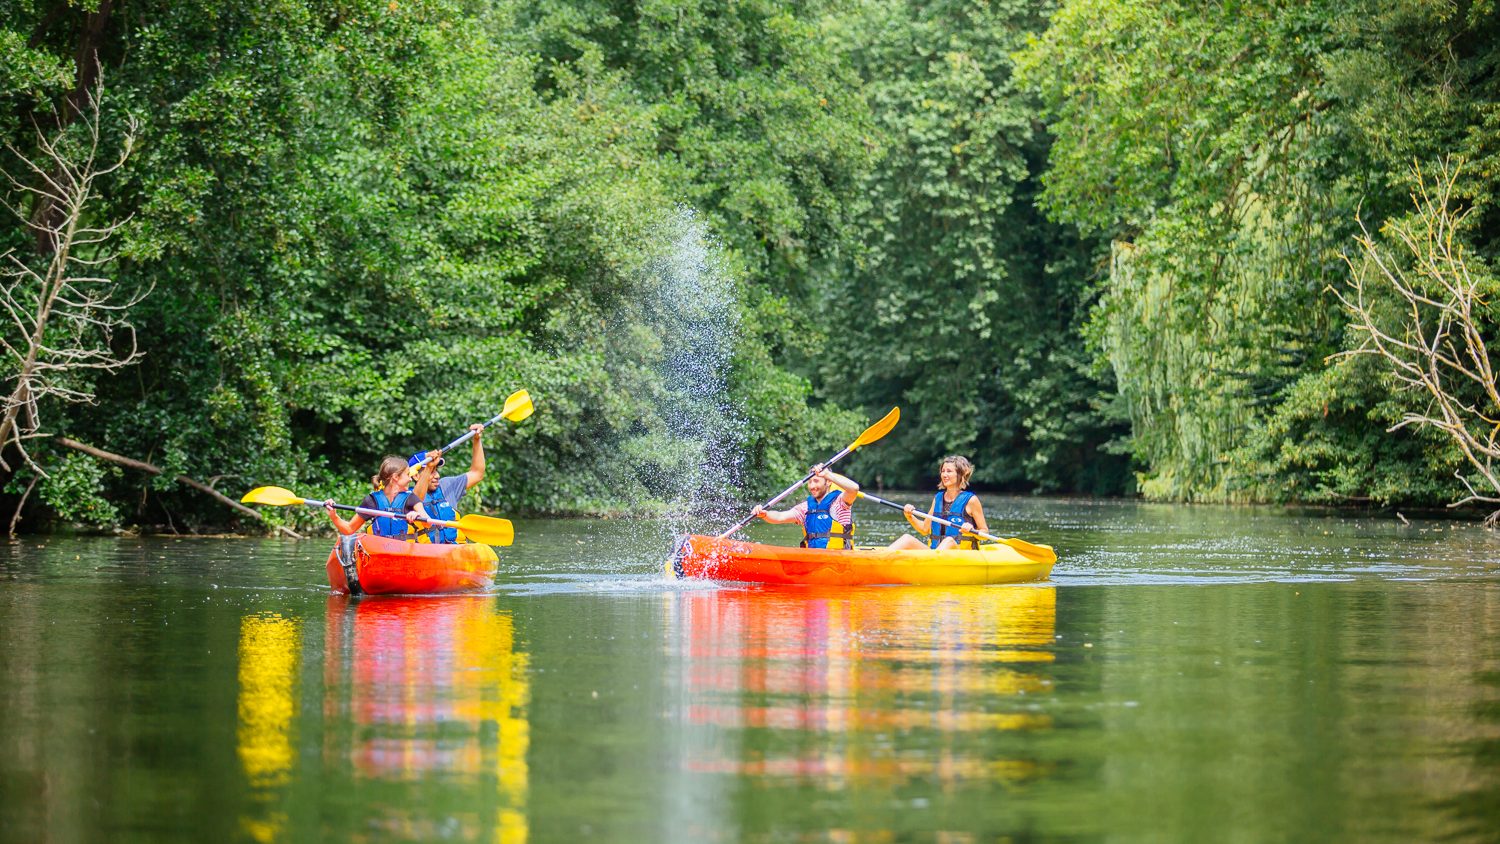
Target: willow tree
[(1223, 149)]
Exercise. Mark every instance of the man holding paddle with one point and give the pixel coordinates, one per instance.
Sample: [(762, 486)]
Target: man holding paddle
[(827, 516), (435, 497)]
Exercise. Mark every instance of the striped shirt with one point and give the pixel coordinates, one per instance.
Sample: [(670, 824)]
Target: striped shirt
[(841, 512)]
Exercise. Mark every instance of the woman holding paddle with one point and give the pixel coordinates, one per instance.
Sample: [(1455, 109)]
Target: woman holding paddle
[(390, 495), (953, 502)]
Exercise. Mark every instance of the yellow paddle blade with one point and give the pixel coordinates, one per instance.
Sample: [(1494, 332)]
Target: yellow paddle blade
[(518, 406), (1039, 553), (878, 430), (487, 530), (273, 495)]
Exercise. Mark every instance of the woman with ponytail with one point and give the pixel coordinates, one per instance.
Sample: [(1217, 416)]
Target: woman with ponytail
[(391, 485)]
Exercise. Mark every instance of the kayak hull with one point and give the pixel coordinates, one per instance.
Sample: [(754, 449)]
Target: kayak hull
[(385, 566), (711, 558)]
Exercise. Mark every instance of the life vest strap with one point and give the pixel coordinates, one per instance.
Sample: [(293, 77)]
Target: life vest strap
[(438, 507)]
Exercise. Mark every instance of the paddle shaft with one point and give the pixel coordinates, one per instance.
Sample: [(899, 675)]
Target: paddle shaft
[(902, 507), (376, 514), (469, 435), (784, 493)]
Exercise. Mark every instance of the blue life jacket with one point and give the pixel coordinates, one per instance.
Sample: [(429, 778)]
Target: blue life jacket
[(386, 525), (439, 508), (821, 530), (960, 503)]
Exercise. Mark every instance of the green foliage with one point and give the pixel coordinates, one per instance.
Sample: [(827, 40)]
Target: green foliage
[(29, 80), (1328, 443), (74, 488), (1067, 239), (961, 305), (1224, 149), (367, 223), (752, 109)]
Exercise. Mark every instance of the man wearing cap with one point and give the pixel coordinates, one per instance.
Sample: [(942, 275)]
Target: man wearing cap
[(436, 497)]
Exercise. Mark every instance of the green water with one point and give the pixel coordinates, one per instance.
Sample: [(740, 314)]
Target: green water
[(1189, 674)]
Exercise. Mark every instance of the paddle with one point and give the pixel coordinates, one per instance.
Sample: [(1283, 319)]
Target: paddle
[(871, 434), (1039, 553), (517, 407), (486, 530)]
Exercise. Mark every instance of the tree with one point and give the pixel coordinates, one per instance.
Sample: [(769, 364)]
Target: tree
[(67, 320), (1221, 149), (960, 302), (368, 222), (1426, 311)]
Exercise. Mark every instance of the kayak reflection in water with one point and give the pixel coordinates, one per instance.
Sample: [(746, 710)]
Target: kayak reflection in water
[(953, 502), (827, 516), (390, 495)]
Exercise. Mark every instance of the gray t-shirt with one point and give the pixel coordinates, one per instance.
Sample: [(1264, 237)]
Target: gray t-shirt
[(454, 489)]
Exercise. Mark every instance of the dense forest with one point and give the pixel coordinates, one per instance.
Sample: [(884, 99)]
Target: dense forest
[(1102, 247)]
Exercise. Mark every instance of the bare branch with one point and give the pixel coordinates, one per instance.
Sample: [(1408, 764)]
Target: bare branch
[(1437, 344), (148, 468), (16, 516), (60, 324)]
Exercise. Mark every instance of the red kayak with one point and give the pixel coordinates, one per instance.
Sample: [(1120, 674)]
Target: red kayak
[(383, 566)]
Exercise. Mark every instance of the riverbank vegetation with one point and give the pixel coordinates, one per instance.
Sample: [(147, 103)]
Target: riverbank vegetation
[(1101, 246)]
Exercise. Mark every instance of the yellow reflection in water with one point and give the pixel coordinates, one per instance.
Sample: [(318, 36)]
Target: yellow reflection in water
[(269, 650), (845, 669), (437, 696)]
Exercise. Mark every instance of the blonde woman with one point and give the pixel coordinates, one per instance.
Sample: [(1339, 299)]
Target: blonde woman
[(392, 484), (953, 502)]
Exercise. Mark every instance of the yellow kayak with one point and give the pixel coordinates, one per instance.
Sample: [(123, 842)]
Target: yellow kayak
[(712, 558)]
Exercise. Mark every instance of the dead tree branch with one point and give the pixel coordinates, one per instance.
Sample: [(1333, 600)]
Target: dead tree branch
[(150, 469), (61, 318), (1424, 310)]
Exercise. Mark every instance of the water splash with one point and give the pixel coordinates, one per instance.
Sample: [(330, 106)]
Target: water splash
[(689, 450)]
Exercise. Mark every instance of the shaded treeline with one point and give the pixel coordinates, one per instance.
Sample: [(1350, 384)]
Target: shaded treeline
[(1087, 243)]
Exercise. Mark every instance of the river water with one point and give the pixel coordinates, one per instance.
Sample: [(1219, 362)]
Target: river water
[(1188, 673)]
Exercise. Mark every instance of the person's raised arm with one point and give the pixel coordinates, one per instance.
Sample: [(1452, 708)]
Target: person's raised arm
[(424, 477), (848, 489), (476, 465)]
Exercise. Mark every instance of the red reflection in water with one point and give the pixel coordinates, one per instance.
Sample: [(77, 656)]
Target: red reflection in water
[(846, 671), (434, 695)]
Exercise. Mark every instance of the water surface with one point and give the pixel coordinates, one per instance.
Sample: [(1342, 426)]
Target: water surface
[(1188, 673)]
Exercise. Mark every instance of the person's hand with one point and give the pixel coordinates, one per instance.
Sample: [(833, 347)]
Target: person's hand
[(478, 430), (759, 512), (964, 527), (412, 517), (908, 510), (819, 470), (328, 505)]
